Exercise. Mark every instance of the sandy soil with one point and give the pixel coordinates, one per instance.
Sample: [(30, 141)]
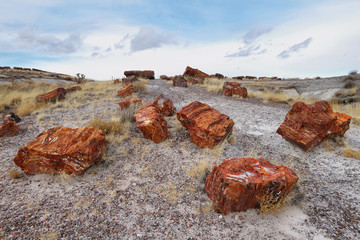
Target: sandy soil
[(147, 191)]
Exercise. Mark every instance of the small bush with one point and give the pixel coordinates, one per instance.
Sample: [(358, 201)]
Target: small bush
[(107, 126), (14, 174), (351, 153), (140, 85), (354, 72), (80, 78)]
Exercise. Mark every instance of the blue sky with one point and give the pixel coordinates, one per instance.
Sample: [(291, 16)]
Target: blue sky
[(102, 39)]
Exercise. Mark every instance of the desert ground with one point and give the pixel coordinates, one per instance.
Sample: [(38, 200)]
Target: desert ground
[(143, 190)]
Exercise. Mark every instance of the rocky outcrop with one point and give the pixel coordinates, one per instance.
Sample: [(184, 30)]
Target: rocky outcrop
[(306, 125), (12, 117), (73, 89), (126, 91), (163, 77), (9, 129), (52, 96), (230, 88), (129, 79), (62, 149), (148, 74), (151, 123), (127, 102), (179, 81), (193, 72), (242, 183), (206, 125), (165, 105)]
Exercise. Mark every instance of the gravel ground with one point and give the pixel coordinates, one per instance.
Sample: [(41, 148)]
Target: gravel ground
[(148, 191)]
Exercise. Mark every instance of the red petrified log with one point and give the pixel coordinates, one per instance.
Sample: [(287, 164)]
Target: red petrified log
[(127, 102), (179, 81), (230, 88), (151, 123), (52, 96), (193, 72), (239, 77), (242, 183), (62, 149), (73, 89), (148, 74), (116, 81), (165, 106), (164, 77), (9, 129), (250, 77), (206, 125), (126, 91), (129, 79), (306, 125)]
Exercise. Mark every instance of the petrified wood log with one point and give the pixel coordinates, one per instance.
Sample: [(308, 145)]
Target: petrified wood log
[(73, 89), (148, 74), (179, 81), (9, 129), (151, 123), (52, 96), (127, 102), (62, 149), (126, 91), (165, 105), (116, 81), (239, 77), (306, 125), (193, 72), (129, 79), (163, 77), (206, 125), (230, 88), (242, 183)]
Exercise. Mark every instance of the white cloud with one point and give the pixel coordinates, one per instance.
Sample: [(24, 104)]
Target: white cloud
[(295, 48)]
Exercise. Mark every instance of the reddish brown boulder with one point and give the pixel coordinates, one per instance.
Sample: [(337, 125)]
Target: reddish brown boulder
[(52, 96), (306, 125), (239, 77), (206, 125), (73, 89), (12, 117), (250, 77), (164, 77), (126, 91), (116, 81), (179, 81), (151, 123), (217, 75), (127, 102), (242, 183), (62, 149), (9, 129), (129, 79), (165, 105), (193, 72), (194, 81), (143, 74), (230, 88)]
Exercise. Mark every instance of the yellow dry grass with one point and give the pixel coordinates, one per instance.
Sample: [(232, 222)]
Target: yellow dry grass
[(271, 202), (213, 84), (351, 153), (14, 174), (200, 168)]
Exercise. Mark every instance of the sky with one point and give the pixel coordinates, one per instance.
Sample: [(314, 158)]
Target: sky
[(102, 39)]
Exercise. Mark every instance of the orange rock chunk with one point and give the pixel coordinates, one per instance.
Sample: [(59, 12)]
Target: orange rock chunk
[(165, 105), (52, 96), (151, 123), (148, 74), (206, 125), (62, 149), (230, 88), (129, 79), (73, 89), (127, 102), (9, 129), (179, 81), (306, 125), (126, 91), (242, 183), (193, 72)]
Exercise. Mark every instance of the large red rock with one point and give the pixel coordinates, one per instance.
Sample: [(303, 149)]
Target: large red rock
[(206, 125), (306, 125), (9, 129), (116, 81), (73, 89), (148, 74), (165, 105), (129, 79), (242, 183), (127, 102), (151, 123), (126, 91), (52, 96), (62, 149), (196, 73), (179, 81), (163, 77), (230, 88), (217, 75)]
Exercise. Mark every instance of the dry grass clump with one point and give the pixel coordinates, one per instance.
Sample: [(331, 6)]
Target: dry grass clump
[(351, 153), (200, 169), (352, 110), (346, 93), (14, 174), (271, 202), (213, 85), (107, 126), (140, 85), (169, 192), (270, 96)]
